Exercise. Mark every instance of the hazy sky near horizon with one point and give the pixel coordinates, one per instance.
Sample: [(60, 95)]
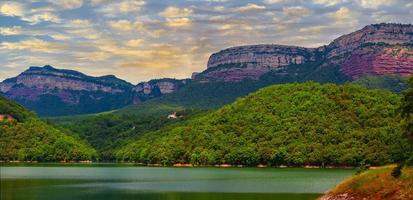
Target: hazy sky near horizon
[(139, 40)]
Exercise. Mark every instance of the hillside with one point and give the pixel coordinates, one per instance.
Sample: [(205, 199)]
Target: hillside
[(111, 131), (375, 184), (392, 83), (291, 124), (27, 138)]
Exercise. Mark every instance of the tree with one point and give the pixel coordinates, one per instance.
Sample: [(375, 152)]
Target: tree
[(407, 114), (407, 109)]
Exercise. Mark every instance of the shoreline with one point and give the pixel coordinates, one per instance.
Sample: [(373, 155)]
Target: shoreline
[(177, 165)]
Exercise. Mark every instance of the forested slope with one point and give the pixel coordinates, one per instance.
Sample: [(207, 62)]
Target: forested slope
[(26, 138), (290, 124), (108, 132)]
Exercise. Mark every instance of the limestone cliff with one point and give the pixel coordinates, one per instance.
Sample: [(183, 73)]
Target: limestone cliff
[(374, 50)]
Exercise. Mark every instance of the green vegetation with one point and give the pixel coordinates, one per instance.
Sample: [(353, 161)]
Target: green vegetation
[(389, 82), (376, 184), (49, 105), (110, 131), (17, 111), (29, 139), (407, 109), (291, 124), (407, 115), (215, 94)]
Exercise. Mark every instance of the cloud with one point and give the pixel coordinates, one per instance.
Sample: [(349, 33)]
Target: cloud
[(87, 33), (59, 36), (33, 16), (45, 16), (126, 25), (343, 14), (296, 11), (329, 2), (177, 17), (250, 7), (95, 2), (219, 8), (9, 8), (156, 33), (234, 30), (178, 22), (273, 1), (173, 11), (122, 7), (375, 3), (134, 43), (14, 30), (68, 4), (313, 29), (93, 56), (78, 23), (154, 58), (34, 45)]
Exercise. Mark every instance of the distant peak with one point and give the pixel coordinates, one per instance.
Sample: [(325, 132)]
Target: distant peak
[(109, 76), (49, 67), (46, 67)]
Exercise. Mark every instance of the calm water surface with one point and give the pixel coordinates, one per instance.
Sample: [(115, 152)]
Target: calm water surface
[(149, 183)]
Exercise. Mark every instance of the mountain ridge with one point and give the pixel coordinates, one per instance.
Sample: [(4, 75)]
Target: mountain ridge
[(368, 51)]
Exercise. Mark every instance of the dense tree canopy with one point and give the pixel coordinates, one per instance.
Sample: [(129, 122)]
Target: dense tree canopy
[(291, 124), (14, 109), (110, 131), (407, 108), (30, 139)]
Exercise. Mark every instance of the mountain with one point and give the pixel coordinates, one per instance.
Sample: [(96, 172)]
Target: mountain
[(288, 124), (381, 50), (156, 88), (377, 49), (55, 92), (26, 138)]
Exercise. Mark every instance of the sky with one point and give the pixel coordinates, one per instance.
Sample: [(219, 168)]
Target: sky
[(139, 40)]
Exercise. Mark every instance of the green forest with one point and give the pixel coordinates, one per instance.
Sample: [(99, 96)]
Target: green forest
[(289, 124), (109, 132), (30, 139)]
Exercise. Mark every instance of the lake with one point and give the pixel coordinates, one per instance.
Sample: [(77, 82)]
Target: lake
[(106, 182)]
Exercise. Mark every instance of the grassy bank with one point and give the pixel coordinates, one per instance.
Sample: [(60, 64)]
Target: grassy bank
[(375, 184)]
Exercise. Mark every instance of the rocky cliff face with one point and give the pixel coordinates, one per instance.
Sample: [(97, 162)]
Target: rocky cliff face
[(271, 56), (390, 34), (379, 60), (238, 63), (374, 50), (38, 81), (156, 88), (164, 86), (53, 92)]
